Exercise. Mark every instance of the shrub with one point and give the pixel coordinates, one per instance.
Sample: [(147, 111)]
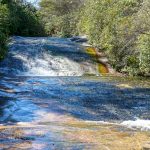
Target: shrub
[(144, 49), (60, 16), (4, 29)]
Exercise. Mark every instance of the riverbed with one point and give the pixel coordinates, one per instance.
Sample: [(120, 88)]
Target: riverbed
[(53, 97)]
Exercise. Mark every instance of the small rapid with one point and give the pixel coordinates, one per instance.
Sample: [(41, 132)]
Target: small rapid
[(48, 100), (46, 56)]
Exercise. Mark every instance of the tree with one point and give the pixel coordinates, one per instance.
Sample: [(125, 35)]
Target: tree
[(60, 16), (4, 29), (17, 18), (115, 27)]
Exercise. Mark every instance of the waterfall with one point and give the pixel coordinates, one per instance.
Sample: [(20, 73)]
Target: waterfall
[(46, 56)]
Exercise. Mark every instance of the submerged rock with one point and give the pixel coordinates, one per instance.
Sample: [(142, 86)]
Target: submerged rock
[(146, 146)]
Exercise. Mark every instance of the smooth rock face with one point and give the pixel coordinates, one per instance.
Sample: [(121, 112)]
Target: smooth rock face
[(46, 56), (146, 146)]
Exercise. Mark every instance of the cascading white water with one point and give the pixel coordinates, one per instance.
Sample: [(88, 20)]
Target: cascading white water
[(46, 57), (48, 65)]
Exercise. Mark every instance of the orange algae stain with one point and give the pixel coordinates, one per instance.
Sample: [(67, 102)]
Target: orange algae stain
[(91, 51), (102, 68)]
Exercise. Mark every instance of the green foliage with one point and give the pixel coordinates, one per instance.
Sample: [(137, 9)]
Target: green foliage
[(117, 27), (4, 29), (17, 18), (144, 48), (60, 16), (114, 26), (24, 19), (3, 49), (132, 66), (120, 28)]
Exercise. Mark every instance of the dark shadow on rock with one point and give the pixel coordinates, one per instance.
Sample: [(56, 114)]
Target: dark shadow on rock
[(97, 101)]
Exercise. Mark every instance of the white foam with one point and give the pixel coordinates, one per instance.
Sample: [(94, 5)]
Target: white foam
[(48, 65), (100, 122), (144, 125), (86, 44), (54, 67)]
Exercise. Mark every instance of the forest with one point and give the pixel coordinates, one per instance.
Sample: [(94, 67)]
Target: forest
[(118, 28)]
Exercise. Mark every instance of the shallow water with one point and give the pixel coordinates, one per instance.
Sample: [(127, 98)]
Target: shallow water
[(27, 99), (72, 111), (46, 57)]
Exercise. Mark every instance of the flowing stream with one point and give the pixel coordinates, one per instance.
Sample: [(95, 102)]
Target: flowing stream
[(49, 101), (46, 57)]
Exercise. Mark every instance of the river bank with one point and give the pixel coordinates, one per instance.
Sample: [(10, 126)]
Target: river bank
[(103, 65)]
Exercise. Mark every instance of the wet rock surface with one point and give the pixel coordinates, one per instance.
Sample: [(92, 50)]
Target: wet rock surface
[(68, 112), (70, 136)]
